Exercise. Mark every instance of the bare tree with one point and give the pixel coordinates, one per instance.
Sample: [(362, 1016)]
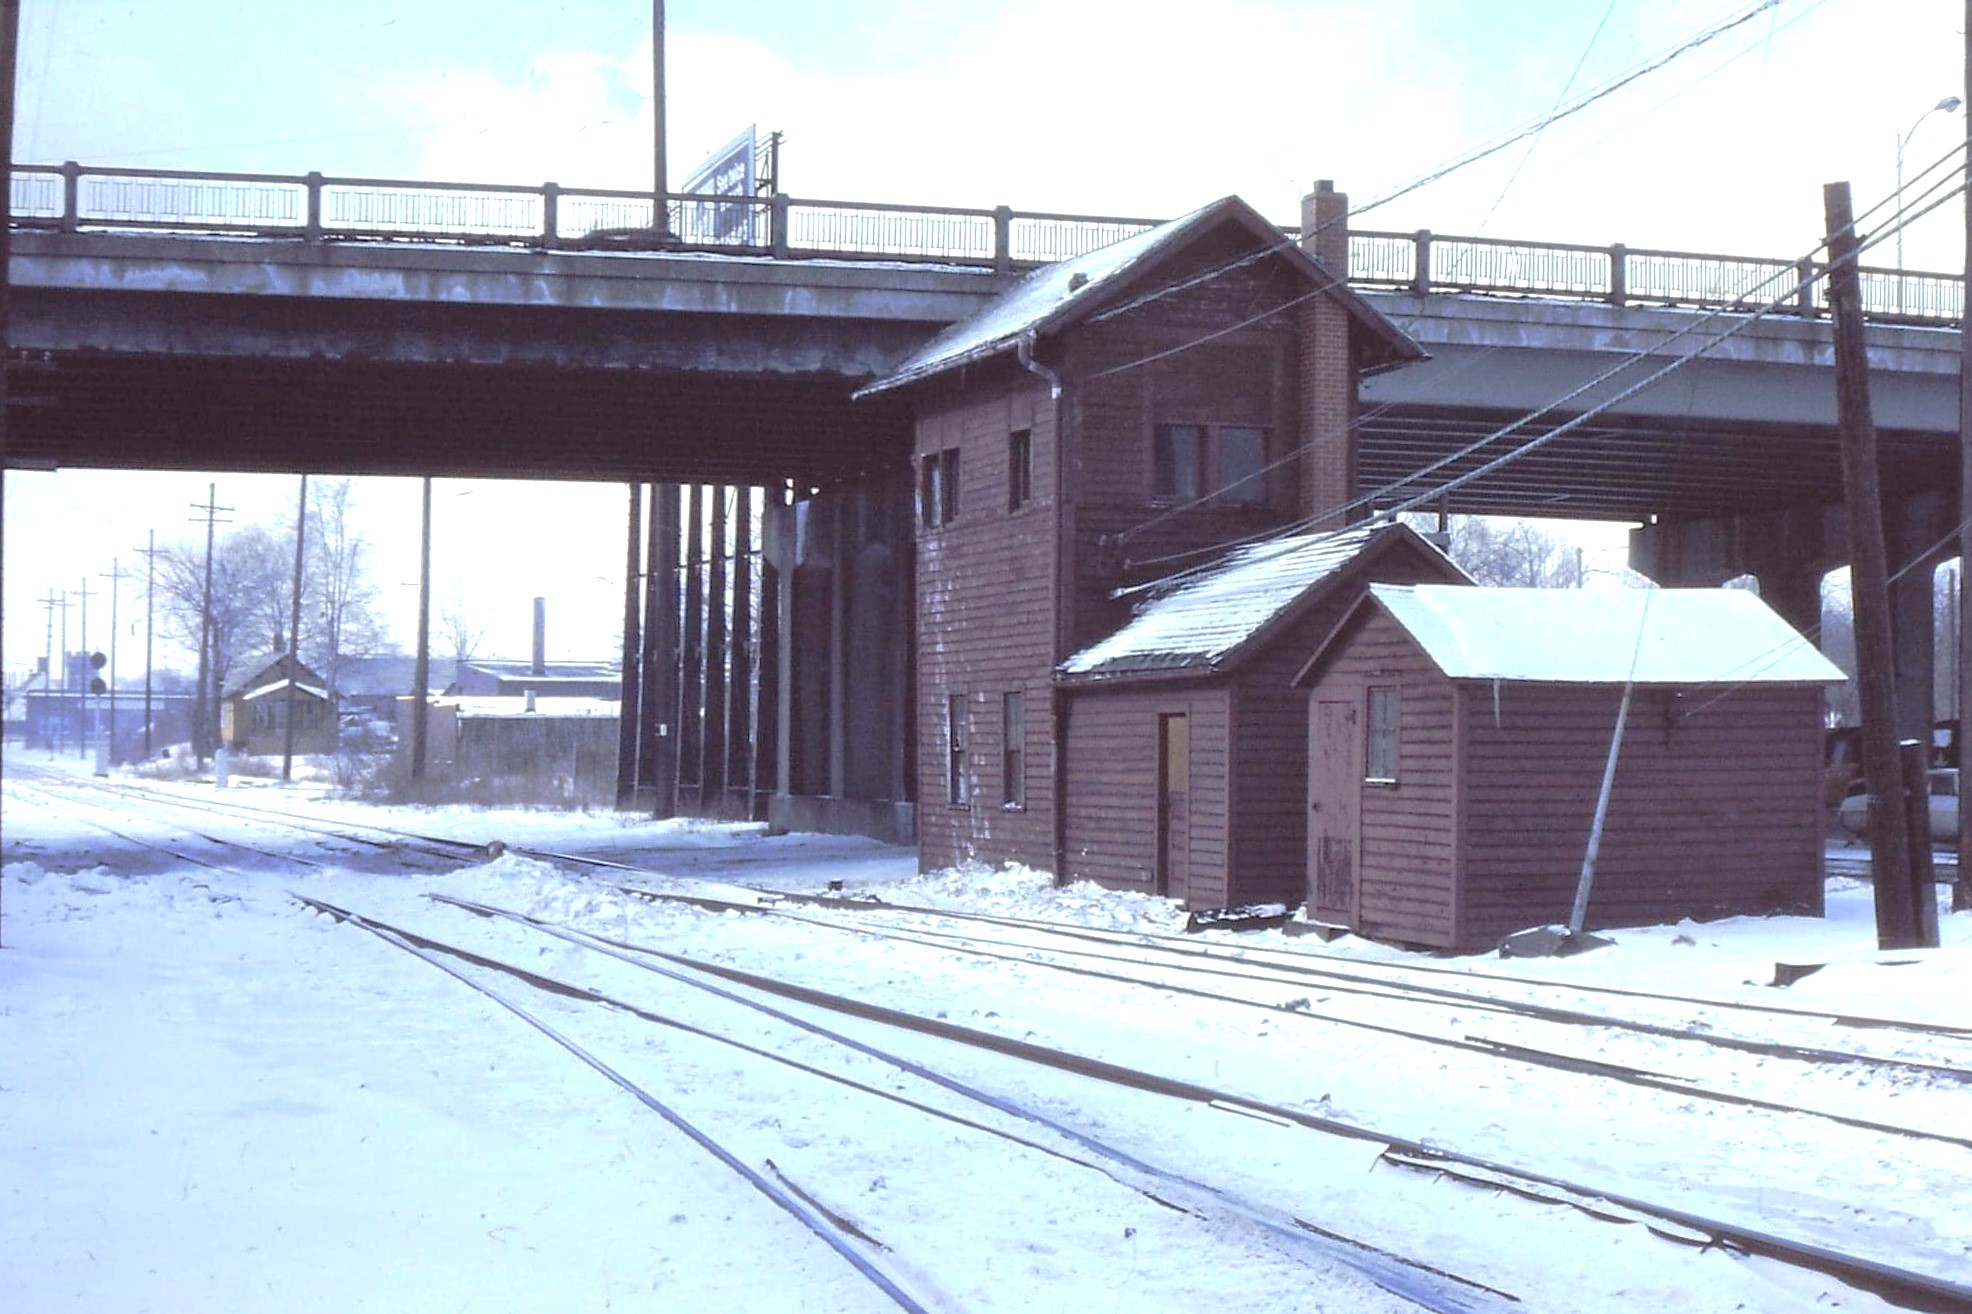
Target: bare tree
[(248, 592), (458, 634), (1510, 553), (338, 595)]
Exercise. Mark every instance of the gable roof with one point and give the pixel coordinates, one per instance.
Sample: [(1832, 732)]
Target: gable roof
[(1054, 296), (266, 667), (1580, 636), (1208, 620)]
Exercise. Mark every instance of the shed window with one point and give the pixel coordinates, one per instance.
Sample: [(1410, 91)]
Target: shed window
[(956, 789), (1381, 757), (1013, 752), (1190, 461), (1020, 468), (939, 490)]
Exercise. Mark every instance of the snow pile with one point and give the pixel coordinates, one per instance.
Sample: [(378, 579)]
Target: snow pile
[(1017, 891)]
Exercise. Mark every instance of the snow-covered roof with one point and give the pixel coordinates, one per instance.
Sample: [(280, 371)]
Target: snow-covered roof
[(256, 673), (276, 686), (1203, 618), (516, 705), (1055, 295), (1654, 636)]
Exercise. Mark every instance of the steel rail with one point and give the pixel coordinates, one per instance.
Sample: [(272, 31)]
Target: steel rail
[(1287, 974), (1385, 988), (1397, 990), (451, 850), (830, 1235), (1644, 1078), (1372, 1262), (1295, 962), (1902, 1286), (200, 834)]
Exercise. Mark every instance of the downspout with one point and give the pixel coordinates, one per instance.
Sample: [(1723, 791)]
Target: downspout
[(1023, 350)]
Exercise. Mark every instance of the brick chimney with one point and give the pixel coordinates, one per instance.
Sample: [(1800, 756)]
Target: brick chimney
[(1327, 376)]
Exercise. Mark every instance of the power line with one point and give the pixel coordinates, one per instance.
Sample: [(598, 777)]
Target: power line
[(1574, 107), (1900, 218)]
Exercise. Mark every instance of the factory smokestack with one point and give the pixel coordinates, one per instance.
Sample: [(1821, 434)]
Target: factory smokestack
[(540, 636)]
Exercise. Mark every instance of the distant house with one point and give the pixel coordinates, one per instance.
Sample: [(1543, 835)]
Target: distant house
[(373, 684), (1108, 421), (1185, 742), (494, 679), (1457, 739), (254, 708)]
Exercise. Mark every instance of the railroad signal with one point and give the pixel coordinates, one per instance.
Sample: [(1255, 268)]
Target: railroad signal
[(97, 685), (96, 663)]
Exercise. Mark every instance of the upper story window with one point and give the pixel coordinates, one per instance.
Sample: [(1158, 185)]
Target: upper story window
[(1226, 461), (938, 491), (1020, 468)]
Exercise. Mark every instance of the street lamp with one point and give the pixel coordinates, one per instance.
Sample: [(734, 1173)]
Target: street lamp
[(1948, 105)]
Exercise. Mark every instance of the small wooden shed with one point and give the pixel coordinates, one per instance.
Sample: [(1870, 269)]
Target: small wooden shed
[(254, 708), (1458, 737), (1184, 740)]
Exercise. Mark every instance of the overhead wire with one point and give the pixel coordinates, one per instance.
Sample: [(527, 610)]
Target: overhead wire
[(1533, 143), (1745, 317), (1473, 156)]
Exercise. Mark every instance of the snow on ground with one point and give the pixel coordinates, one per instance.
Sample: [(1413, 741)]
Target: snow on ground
[(213, 1099)]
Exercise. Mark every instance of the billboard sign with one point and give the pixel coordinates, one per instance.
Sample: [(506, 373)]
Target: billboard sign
[(728, 171)]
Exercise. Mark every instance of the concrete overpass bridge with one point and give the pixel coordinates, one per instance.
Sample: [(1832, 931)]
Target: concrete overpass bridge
[(165, 320), (364, 326)]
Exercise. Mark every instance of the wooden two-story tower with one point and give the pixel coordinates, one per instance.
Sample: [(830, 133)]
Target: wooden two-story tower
[(1111, 420)]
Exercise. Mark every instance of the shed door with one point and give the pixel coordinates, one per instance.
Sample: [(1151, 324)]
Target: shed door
[(1174, 805), (1334, 781)]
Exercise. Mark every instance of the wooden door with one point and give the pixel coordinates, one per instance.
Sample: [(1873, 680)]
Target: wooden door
[(1334, 784), (1174, 805)]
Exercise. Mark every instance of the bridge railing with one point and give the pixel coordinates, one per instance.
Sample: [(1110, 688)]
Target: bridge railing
[(1425, 262), (312, 206)]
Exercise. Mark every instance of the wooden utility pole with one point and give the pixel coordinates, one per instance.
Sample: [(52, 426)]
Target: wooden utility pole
[(629, 708), (294, 633), (660, 167), (1890, 838), (421, 677), (1961, 890)]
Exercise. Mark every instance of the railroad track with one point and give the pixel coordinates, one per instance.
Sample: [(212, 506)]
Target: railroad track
[(58, 801), (1419, 1284), (1182, 977), (1118, 955), (1898, 1285)]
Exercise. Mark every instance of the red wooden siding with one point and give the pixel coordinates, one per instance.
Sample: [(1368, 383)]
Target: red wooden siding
[(1270, 736), (1124, 386), (1111, 759), (985, 623), (1713, 812), (1406, 859)]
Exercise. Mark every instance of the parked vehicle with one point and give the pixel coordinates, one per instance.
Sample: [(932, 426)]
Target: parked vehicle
[(1854, 811)]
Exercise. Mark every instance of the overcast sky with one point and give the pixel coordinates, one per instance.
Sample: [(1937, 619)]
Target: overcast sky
[(1141, 108)]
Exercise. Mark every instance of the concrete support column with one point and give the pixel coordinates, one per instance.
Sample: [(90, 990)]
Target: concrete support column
[(1915, 530)]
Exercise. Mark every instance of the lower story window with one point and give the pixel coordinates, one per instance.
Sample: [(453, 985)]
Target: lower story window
[(1013, 753), (955, 739)]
